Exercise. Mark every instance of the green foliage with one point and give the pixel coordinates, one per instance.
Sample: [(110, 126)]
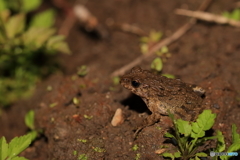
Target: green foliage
[(82, 71), (47, 17), (149, 41), (20, 5), (16, 146), (135, 147), (235, 146), (190, 135), (138, 156), (157, 64), (98, 149), (87, 116), (27, 47), (76, 101), (83, 157), (116, 80), (29, 120), (235, 14), (168, 76)]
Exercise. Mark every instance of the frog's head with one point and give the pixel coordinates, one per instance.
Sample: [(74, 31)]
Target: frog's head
[(140, 82)]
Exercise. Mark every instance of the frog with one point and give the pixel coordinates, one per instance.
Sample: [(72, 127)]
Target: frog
[(164, 95)]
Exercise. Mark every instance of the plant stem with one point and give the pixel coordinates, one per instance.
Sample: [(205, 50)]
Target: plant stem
[(192, 144), (180, 143)]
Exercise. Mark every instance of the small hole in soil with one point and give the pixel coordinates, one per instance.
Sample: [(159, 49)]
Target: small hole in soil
[(94, 34), (136, 103)]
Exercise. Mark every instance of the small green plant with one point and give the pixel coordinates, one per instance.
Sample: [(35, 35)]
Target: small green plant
[(235, 14), (17, 145), (157, 64), (87, 116), (20, 5), (82, 140), (135, 147), (76, 101), (221, 146), (27, 46), (138, 156), (98, 149), (82, 71), (149, 41), (83, 157), (29, 122), (116, 80), (191, 135), (169, 76)]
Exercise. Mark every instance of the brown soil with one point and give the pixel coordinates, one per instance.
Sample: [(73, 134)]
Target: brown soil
[(207, 55)]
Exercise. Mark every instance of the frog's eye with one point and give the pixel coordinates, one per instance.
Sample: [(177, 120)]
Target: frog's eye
[(135, 84)]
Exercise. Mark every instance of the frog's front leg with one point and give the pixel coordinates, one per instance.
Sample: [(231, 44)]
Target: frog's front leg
[(149, 121)]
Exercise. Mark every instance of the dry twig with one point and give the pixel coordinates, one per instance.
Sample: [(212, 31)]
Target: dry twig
[(176, 35), (208, 17), (125, 28)]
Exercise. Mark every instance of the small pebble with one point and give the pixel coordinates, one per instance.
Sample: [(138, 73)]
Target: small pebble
[(160, 151), (117, 118)]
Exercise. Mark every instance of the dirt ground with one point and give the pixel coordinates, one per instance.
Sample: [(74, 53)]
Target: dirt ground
[(208, 55)]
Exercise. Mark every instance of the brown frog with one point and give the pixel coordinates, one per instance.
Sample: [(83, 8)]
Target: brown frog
[(162, 94)]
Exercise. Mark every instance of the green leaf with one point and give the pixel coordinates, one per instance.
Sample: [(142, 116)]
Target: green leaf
[(235, 14), (44, 19), (164, 49), (30, 5), (144, 39), (3, 148), (29, 119), (203, 123), (37, 37), (19, 158), (196, 158), (169, 135), (201, 154), (34, 134), (83, 157), (3, 5), (157, 64), (196, 131), (57, 43), (61, 47), (55, 39), (220, 143), (31, 34), (169, 76), (169, 155), (177, 154), (234, 147), (155, 36), (18, 144), (235, 135), (144, 48), (15, 25), (184, 127), (116, 80), (42, 38)]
